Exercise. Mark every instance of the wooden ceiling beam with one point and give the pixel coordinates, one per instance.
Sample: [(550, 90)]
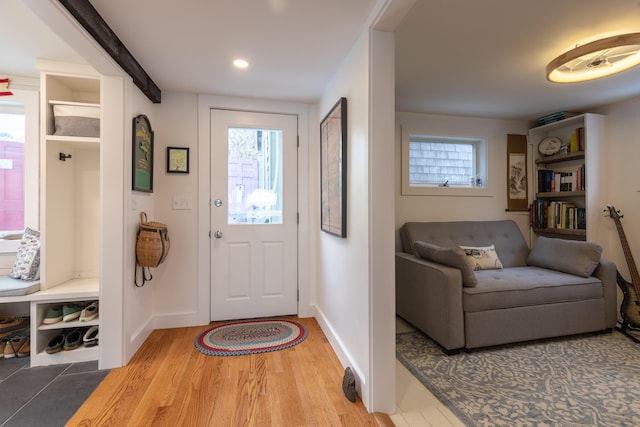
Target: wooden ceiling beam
[(91, 21)]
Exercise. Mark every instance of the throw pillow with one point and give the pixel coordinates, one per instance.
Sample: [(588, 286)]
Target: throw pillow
[(567, 256), (482, 257), (27, 264), (453, 257)]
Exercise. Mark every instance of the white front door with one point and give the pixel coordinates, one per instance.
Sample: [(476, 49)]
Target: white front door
[(253, 215)]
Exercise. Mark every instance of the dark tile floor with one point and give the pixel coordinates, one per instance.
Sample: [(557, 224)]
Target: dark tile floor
[(46, 395)]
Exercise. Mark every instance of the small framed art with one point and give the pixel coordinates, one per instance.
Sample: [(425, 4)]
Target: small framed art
[(177, 160)]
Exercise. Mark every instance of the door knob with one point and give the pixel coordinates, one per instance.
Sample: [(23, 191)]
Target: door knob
[(217, 234)]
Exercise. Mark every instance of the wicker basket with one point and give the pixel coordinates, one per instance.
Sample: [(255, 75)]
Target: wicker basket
[(152, 246)]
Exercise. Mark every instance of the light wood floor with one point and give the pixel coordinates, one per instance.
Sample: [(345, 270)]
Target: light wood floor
[(170, 383)]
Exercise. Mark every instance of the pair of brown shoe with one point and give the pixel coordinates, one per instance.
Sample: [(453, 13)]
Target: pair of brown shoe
[(15, 346), (9, 325)]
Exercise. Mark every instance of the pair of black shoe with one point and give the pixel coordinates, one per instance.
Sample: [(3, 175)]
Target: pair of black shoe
[(66, 340)]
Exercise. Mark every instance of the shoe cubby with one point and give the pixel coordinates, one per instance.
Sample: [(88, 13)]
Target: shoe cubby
[(43, 333)]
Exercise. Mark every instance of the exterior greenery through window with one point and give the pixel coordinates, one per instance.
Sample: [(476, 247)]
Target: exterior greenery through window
[(439, 161)]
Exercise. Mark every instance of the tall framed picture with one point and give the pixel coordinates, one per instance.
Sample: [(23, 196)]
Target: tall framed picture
[(517, 191), (333, 170), (142, 175)]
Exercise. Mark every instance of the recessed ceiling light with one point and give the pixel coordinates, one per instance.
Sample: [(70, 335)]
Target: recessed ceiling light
[(597, 59), (240, 63)]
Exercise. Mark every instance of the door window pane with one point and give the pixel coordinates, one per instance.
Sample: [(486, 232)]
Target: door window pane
[(255, 176)]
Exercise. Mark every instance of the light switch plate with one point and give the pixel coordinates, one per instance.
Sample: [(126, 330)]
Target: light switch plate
[(182, 203)]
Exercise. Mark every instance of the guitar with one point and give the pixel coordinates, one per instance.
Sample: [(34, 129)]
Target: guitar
[(630, 308)]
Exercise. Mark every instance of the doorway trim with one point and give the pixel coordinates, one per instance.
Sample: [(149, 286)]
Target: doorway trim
[(306, 268)]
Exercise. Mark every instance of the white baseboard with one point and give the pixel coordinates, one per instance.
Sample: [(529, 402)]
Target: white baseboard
[(137, 339), (338, 347), (177, 320)]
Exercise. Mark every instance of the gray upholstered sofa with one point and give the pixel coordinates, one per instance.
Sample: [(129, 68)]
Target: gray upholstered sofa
[(557, 288)]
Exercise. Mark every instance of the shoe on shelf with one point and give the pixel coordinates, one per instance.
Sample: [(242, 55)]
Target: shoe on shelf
[(71, 311), (90, 312), (90, 338), (13, 326), (55, 344), (3, 343), (53, 315), (73, 339), (13, 345), (5, 319), (25, 349)]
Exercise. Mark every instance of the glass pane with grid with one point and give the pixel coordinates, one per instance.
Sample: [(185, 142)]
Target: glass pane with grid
[(442, 163)]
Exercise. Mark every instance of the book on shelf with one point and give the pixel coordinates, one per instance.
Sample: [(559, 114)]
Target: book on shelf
[(573, 143), (554, 117), (550, 181), (545, 178), (557, 215), (580, 138)]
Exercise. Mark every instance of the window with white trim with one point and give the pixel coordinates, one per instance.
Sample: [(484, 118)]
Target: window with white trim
[(12, 143), (19, 164), (432, 164)]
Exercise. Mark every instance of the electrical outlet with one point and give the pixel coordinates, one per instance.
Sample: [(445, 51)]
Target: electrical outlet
[(182, 203)]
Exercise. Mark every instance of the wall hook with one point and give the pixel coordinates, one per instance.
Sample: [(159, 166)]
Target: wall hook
[(63, 157)]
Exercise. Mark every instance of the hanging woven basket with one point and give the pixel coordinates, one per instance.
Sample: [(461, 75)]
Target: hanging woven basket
[(152, 246)]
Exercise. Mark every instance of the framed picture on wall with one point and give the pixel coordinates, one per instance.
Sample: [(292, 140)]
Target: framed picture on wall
[(142, 175), (177, 160), (333, 170)]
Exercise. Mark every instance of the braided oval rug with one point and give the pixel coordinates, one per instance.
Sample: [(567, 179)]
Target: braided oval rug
[(250, 336), (587, 380)]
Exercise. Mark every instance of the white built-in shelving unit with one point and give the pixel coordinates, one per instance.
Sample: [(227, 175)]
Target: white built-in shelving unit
[(70, 215), (590, 157)]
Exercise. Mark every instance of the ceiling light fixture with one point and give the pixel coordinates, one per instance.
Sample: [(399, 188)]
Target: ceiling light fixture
[(240, 63), (597, 59)]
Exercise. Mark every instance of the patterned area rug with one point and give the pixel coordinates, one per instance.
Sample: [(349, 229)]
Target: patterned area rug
[(250, 336), (590, 380)]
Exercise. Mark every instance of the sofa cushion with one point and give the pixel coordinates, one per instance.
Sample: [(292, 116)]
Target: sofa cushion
[(568, 256), (527, 286), (453, 257), (505, 235), (482, 257)]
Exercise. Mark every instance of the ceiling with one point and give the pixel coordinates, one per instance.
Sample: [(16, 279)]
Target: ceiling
[(461, 57), (488, 58)]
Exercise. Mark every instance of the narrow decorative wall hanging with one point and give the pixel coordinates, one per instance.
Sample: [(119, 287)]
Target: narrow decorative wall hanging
[(142, 154), (517, 196)]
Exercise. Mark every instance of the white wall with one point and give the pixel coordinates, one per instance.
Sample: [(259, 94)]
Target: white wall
[(175, 282), (452, 208), (382, 311), (138, 301), (623, 178), (355, 292), (342, 295)]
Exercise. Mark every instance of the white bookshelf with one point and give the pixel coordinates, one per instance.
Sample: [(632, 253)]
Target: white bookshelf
[(592, 158)]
